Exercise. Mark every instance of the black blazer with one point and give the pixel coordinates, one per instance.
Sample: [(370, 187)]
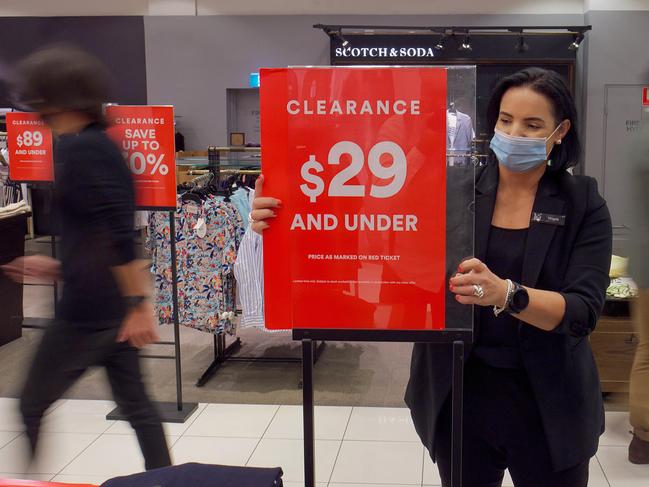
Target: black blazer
[(573, 259)]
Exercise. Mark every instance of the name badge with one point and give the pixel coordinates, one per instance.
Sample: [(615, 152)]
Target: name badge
[(549, 219)]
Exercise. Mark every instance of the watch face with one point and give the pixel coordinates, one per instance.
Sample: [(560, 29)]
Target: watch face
[(520, 300)]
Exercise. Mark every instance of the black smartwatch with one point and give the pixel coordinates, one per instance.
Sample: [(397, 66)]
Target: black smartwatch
[(519, 299), (134, 301)]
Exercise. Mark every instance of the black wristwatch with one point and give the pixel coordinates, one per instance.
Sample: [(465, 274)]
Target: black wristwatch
[(134, 301), (519, 299)]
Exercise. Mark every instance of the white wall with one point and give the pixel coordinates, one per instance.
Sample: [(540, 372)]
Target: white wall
[(592, 5), (617, 54), (192, 61)]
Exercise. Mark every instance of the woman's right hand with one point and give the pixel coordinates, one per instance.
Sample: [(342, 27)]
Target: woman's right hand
[(263, 208)]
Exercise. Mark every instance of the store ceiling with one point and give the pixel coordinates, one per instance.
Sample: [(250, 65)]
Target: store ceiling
[(388, 7), (12, 8)]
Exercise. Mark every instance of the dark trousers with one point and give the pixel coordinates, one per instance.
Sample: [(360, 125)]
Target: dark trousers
[(502, 429), (64, 354)]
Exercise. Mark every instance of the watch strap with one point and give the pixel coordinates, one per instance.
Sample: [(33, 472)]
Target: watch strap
[(517, 289), (134, 301)]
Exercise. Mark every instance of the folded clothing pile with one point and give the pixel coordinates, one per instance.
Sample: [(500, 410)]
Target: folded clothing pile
[(15, 209), (622, 288)]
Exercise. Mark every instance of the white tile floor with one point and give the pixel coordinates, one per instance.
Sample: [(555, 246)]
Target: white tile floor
[(355, 447)]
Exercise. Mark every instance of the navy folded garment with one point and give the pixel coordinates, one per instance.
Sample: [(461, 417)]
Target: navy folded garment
[(199, 475)]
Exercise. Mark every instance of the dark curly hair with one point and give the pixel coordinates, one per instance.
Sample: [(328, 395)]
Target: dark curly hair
[(64, 77)]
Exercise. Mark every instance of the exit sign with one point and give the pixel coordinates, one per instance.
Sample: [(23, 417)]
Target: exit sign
[(645, 96)]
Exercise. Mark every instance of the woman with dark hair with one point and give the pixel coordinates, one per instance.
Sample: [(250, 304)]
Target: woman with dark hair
[(543, 242)]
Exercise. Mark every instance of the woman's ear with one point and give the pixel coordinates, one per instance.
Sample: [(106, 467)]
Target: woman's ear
[(564, 128)]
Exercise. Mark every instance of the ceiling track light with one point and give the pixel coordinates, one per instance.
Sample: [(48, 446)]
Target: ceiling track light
[(521, 45), (343, 41), (441, 43), (466, 44), (574, 45), (338, 34)]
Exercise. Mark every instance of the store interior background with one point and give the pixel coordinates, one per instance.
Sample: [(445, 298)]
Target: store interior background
[(187, 53)]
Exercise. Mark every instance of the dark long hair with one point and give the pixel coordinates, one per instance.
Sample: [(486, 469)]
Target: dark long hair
[(553, 87)]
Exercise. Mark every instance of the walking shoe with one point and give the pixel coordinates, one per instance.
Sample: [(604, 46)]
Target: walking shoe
[(639, 451)]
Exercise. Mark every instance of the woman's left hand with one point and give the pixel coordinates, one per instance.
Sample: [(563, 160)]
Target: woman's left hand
[(473, 272)]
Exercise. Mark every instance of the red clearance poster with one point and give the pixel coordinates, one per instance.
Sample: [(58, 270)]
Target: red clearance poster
[(29, 142), (358, 158), (145, 134), (645, 96)]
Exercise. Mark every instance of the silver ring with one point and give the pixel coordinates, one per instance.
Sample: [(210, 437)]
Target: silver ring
[(478, 292)]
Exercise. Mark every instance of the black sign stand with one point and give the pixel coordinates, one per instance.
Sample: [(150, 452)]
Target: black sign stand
[(457, 338), (179, 411), (43, 323)]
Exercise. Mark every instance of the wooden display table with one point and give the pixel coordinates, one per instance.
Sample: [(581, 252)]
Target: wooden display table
[(614, 343)]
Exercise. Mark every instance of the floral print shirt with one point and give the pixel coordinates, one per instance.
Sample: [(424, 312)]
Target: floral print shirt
[(207, 238)]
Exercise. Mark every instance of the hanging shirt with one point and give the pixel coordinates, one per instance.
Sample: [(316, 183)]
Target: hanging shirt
[(451, 122), (207, 237), (249, 273), (241, 201)]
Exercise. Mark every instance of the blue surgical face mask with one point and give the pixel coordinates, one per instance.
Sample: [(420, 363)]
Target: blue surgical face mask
[(520, 154)]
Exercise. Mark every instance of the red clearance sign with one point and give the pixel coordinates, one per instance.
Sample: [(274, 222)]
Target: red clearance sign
[(645, 96), (29, 142), (358, 159), (145, 134)]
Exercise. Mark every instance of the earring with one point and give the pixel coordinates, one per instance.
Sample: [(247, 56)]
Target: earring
[(559, 141)]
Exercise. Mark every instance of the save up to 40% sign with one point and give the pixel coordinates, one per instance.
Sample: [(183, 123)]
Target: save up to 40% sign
[(145, 135), (140, 163)]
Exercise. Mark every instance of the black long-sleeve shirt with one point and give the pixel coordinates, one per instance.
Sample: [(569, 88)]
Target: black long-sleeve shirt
[(96, 206)]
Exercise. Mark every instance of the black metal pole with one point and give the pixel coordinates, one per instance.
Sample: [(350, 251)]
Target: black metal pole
[(56, 285), (170, 412), (308, 407), (458, 398), (174, 300)]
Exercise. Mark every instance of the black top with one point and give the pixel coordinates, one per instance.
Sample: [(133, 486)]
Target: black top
[(571, 257), (96, 205), (497, 343)]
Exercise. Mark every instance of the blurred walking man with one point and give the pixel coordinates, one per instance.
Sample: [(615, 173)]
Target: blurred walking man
[(104, 314)]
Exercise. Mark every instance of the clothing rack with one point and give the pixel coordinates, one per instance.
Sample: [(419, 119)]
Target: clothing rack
[(201, 180), (178, 411), (174, 412), (222, 351)]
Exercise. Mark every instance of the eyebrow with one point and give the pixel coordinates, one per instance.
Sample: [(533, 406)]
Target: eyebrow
[(528, 119)]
